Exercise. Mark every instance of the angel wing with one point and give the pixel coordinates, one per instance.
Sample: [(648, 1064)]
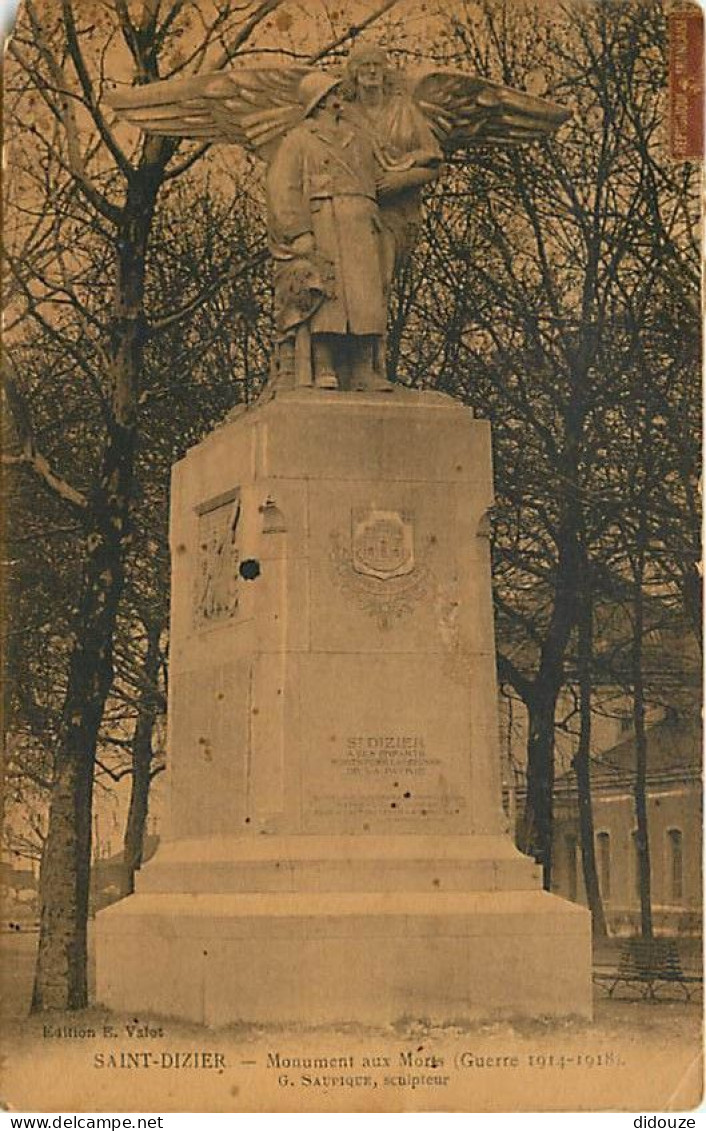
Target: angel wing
[(466, 110), (251, 107)]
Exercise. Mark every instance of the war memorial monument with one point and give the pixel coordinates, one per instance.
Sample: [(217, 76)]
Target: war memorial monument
[(337, 848)]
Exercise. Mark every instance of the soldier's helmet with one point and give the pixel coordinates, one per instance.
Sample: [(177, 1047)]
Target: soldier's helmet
[(313, 89)]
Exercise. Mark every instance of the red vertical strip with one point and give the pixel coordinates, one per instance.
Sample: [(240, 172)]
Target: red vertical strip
[(686, 85)]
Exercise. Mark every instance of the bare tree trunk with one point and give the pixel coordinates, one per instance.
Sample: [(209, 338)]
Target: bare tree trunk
[(60, 975), (643, 839), (540, 697), (582, 763), (693, 599), (134, 840), (538, 821)]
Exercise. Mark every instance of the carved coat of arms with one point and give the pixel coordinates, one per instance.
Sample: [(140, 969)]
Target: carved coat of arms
[(382, 543), (377, 568)]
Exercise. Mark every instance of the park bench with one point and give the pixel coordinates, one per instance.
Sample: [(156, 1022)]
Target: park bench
[(646, 965)]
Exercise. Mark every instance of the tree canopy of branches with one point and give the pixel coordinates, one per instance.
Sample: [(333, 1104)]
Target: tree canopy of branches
[(556, 290)]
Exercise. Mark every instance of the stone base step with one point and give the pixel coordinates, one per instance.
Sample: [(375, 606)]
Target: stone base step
[(315, 958)]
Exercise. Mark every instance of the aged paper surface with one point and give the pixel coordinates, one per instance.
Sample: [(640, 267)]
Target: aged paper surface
[(301, 813)]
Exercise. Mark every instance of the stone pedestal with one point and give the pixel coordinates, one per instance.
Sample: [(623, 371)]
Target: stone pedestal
[(337, 849)]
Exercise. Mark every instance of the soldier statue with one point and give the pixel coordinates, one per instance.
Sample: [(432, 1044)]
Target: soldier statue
[(349, 152)]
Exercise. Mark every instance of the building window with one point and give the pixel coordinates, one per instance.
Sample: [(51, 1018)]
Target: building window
[(603, 846), (675, 871), (572, 867)]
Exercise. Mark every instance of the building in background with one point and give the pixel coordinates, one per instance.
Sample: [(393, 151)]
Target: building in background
[(674, 814), (672, 674)]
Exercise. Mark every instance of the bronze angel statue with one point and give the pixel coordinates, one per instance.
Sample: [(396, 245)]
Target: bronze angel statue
[(348, 154)]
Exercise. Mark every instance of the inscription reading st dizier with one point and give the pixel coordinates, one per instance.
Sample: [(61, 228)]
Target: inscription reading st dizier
[(384, 755)]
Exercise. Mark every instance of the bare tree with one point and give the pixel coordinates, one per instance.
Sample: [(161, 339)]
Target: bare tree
[(97, 178), (543, 270)]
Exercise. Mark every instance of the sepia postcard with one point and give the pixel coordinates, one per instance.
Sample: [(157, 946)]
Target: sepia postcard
[(352, 589)]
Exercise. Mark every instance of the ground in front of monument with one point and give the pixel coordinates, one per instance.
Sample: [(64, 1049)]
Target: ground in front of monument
[(634, 1056)]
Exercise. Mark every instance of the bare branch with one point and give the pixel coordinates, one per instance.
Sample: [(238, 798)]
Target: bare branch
[(65, 112), (87, 87), (261, 12), (177, 315), (508, 672), (353, 31), (114, 775), (54, 334), (30, 456)]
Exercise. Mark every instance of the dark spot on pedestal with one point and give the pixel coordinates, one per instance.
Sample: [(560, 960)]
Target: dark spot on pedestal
[(393, 805), (407, 794), (247, 820), (249, 569), (436, 883)]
